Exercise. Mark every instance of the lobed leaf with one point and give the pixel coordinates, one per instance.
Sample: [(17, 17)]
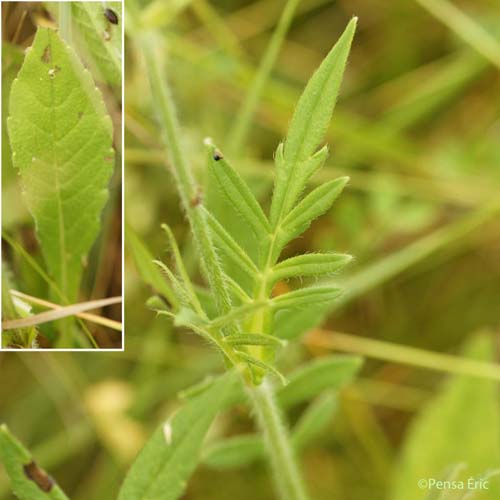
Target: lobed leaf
[(309, 123), (319, 264), (225, 242), (304, 297), (102, 38), (263, 365), (179, 263), (237, 192), (253, 339), (29, 481), (61, 139), (166, 462), (331, 372), (316, 203)]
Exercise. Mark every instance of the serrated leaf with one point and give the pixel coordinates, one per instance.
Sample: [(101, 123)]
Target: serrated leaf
[(28, 480), (61, 140), (305, 297), (237, 192), (149, 272), (316, 203), (314, 420), (225, 242), (331, 372), (319, 264), (309, 123), (164, 465), (460, 425), (102, 38), (233, 452)]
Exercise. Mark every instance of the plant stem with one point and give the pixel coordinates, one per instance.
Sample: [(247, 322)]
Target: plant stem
[(286, 473), (184, 178), (65, 21), (285, 470)]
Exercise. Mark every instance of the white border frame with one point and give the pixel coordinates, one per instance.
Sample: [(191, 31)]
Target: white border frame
[(104, 350)]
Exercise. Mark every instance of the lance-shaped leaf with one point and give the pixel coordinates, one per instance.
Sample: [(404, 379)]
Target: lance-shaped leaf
[(331, 372), (234, 452), (242, 339), (314, 420), (309, 123), (164, 465), (61, 140), (316, 203), (102, 38), (149, 272), (305, 296), (226, 243), (237, 192), (29, 481), (319, 264)]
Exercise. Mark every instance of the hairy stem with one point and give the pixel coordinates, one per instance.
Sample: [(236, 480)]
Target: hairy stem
[(184, 178), (286, 473), (285, 470)]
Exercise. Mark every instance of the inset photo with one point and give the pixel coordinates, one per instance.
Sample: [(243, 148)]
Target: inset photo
[(62, 175)]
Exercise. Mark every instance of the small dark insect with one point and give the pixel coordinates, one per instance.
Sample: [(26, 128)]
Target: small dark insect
[(111, 16), (218, 155), (38, 476)]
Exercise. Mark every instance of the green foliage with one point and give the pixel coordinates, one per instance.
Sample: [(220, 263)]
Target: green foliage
[(171, 454), (61, 139), (325, 373), (29, 481), (101, 37), (459, 426)]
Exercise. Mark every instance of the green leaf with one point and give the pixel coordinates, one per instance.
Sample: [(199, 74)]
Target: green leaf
[(331, 372), (460, 425), (253, 339), (308, 126), (319, 264), (181, 269), (314, 420), (233, 452), (225, 242), (166, 462), (237, 192), (316, 203), (61, 139), (147, 269), (29, 481), (267, 367), (102, 39), (304, 297)]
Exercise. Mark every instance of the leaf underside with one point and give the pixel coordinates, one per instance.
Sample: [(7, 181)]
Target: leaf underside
[(61, 140)]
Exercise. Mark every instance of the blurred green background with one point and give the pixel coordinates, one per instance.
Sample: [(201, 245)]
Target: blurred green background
[(417, 130)]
